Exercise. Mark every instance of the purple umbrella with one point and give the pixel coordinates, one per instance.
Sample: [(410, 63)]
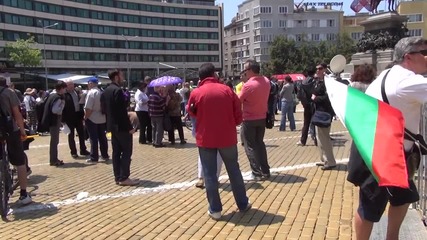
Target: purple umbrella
[(164, 81)]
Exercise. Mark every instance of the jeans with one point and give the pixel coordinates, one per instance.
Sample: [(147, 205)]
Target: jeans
[(253, 133), (122, 152), (145, 129), (287, 110), (97, 134), (208, 157), (157, 130), (78, 126), (218, 166)]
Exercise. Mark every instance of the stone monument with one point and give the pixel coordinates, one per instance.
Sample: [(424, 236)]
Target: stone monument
[(382, 32)]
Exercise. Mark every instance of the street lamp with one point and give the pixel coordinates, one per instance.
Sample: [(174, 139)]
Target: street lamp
[(44, 50), (127, 58)]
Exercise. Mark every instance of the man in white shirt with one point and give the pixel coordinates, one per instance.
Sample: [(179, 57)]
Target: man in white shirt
[(406, 90), (95, 122), (141, 109)]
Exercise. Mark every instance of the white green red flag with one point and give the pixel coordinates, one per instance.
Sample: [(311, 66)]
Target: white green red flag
[(377, 130)]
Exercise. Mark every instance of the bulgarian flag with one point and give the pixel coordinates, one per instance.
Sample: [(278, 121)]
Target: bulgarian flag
[(377, 130)]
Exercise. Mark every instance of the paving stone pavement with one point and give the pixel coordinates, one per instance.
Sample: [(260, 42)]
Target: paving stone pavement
[(300, 201)]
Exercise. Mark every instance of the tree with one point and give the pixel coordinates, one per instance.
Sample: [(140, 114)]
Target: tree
[(288, 56), (23, 53)]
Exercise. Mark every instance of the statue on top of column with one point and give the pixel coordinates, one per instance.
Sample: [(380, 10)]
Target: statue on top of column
[(372, 5)]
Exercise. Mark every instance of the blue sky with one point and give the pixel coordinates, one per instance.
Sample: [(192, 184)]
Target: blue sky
[(230, 7)]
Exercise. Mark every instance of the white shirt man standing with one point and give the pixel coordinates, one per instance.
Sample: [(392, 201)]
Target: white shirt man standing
[(406, 90), (95, 121)]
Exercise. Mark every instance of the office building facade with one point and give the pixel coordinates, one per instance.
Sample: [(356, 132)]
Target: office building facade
[(258, 22), (91, 36)]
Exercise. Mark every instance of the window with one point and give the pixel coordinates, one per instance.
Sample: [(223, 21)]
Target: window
[(415, 32), (283, 9), (356, 35), (315, 37), (415, 18), (246, 27), (315, 23), (257, 38), (266, 24), (300, 23), (330, 23), (247, 14), (299, 37), (331, 37), (256, 10), (282, 23), (266, 10), (257, 24), (257, 51), (266, 38)]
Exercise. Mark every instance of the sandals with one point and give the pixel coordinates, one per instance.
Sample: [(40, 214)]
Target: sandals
[(57, 163)]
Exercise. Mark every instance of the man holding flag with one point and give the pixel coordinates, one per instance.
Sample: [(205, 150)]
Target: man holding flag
[(384, 157)]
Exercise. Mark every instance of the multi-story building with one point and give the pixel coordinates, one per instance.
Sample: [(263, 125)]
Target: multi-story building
[(91, 36), (258, 22), (416, 11), (352, 27)]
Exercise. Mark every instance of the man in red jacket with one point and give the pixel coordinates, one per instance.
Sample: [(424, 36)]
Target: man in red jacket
[(217, 110)]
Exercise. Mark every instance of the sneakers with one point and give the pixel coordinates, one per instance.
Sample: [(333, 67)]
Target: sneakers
[(25, 200), (214, 215), (91, 161), (299, 143), (200, 183)]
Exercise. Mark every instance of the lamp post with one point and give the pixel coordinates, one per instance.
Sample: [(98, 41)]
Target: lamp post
[(44, 51), (127, 58)]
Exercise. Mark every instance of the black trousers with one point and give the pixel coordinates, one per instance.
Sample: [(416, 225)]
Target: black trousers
[(308, 114), (122, 153), (145, 128), (76, 126), (176, 124)]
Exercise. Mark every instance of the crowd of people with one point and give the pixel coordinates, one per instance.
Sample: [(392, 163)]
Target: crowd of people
[(216, 109)]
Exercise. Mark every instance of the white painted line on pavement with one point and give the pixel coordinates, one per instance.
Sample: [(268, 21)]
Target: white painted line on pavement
[(144, 191), (266, 140)]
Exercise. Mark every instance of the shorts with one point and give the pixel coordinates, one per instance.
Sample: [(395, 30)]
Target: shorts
[(15, 149), (372, 204)]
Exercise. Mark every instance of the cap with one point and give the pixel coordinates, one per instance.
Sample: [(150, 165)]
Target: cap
[(93, 80)]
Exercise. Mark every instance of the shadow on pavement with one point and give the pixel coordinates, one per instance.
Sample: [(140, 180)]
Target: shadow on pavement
[(249, 185), (37, 179), (149, 184), (271, 145), (286, 178), (74, 165), (253, 217), (32, 211)]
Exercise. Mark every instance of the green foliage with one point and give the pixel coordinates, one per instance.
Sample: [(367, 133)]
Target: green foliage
[(23, 52), (288, 56), (379, 41)]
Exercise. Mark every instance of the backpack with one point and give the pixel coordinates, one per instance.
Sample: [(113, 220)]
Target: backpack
[(6, 122), (304, 90)]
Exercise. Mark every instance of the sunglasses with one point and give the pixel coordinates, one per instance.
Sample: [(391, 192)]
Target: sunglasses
[(422, 52), (319, 68)]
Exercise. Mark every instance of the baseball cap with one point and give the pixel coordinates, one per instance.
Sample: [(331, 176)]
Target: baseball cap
[(93, 80)]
